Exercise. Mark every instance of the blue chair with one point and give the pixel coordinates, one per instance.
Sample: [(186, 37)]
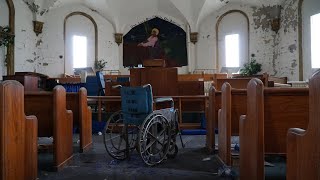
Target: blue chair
[(101, 83), (138, 126)]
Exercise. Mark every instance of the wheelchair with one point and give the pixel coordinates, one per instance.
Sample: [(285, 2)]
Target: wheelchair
[(138, 127)]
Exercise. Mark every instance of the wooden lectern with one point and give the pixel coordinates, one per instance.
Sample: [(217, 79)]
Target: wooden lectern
[(154, 63), (163, 80)]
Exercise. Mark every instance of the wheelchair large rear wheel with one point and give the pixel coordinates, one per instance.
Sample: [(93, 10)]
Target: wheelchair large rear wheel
[(116, 134), (154, 139)]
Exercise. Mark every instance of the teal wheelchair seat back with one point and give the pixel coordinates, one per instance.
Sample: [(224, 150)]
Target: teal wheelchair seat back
[(136, 104)]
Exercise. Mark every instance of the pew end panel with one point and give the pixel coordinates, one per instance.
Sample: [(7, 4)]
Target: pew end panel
[(77, 102), (303, 149), (31, 149), (17, 141), (224, 125), (251, 134), (85, 121), (53, 121), (214, 106), (62, 129)]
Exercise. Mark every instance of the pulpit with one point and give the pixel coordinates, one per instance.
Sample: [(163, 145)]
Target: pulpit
[(164, 81), (154, 63)]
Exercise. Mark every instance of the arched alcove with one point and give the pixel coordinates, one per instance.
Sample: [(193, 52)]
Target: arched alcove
[(232, 22), (170, 45), (68, 46)]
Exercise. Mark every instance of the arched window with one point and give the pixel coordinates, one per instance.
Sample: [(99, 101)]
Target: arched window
[(80, 41), (310, 24), (232, 39)]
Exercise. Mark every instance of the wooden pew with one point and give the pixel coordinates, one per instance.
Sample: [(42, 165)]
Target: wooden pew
[(303, 148), (202, 77), (214, 106), (82, 117), (270, 113), (18, 142), (53, 120), (233, 104), (240, 82), (188, 88)]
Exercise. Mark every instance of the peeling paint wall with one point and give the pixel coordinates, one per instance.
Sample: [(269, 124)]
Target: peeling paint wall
[(4, 21), (276, 51), (45, 53), (287, 50), (262, 38), (52, 48), (25, 38)]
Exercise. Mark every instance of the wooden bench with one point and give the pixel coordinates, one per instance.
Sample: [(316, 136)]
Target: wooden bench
[(240, 82), (53, 120), (82, 117), (18, 142), (202, 77), (233, 105), (303, 148), (270, 113), (212, 122)]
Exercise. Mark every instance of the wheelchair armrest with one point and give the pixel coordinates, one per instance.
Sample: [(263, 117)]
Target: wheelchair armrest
[(117, 86), (164, 99)]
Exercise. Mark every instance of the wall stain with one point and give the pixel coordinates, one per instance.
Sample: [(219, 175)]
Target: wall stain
[(290, 19), (294, 63), (263, 16), (292, 48)]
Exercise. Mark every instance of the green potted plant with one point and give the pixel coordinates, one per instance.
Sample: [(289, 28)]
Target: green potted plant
[(100, 64), (251, 68), (6, 38)]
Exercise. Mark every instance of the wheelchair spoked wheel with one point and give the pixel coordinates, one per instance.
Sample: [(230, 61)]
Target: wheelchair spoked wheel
[(154, 138), (115, 136)]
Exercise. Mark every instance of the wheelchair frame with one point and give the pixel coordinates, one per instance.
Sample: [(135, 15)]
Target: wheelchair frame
[(154, 138)]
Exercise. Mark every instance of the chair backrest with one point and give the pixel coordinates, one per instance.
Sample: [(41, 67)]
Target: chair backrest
[(136, 103), (101, 83)]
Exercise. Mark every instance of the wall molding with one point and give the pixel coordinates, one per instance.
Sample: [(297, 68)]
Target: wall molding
[(10, 49)]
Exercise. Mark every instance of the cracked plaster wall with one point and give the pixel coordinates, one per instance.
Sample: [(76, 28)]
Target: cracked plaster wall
[(42, 53), (277, 52), (4, 21), (286, 56), (25, 38), (52, 46), (261, 36)]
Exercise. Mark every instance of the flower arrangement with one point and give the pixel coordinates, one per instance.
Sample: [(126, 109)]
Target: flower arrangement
[(100, 64)]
